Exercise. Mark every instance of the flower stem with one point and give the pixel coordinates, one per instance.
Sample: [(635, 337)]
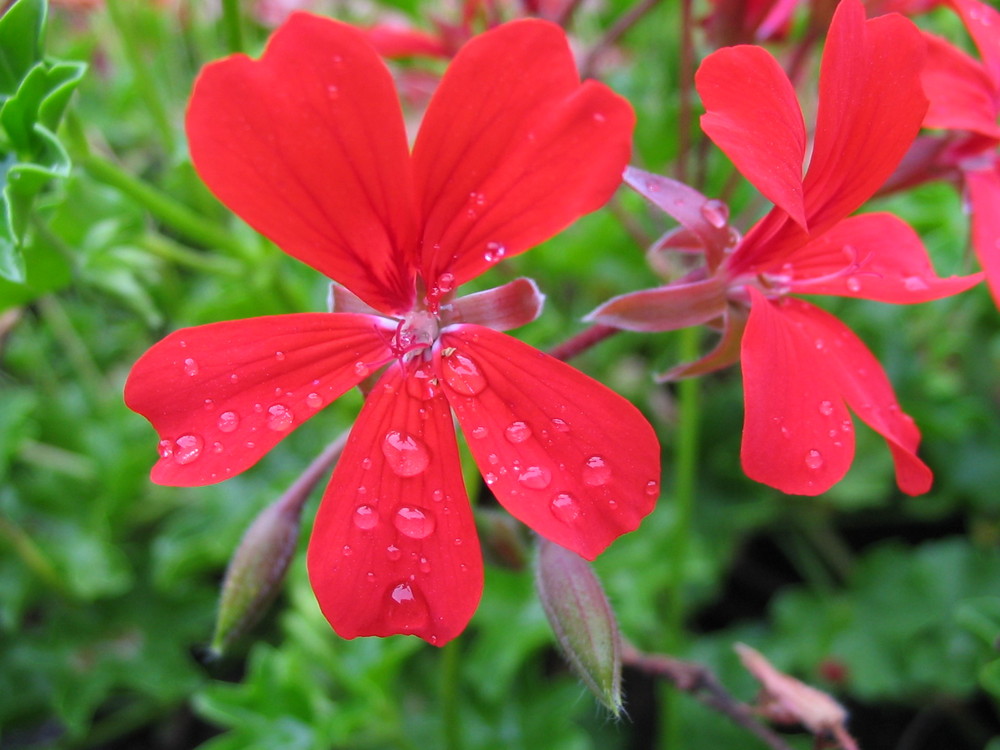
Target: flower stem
[(685, 107), (582, 341), (449, 695), (231, 22), (685, 482)]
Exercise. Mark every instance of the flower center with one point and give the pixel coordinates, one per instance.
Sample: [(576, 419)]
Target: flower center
[(417, 330)]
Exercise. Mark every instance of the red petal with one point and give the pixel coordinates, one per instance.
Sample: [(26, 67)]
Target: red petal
[(962, 95), (873, 256), (983, 23), (871, 104), (984, 195), (571, 459), (753, 115), (308, 146), (725, 353), (394, 548), (801, 369), (666, 308), (513, 149), (222, 395), (398, 41)]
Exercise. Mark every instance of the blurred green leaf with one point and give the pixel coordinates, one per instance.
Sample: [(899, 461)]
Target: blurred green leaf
[(21, 31)]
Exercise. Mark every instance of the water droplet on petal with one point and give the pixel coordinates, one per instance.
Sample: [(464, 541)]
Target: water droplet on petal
[(826, 408), (853, 284), (165, 448), (437, 496), (596, 472), (565, 507), (517, 432), (494, 252), (393, 552), (228, 421), (560, 425), (187, 448), (190, 367), (365, 517), (361, 369), (446, 282), (463, 374), (422, 383), (314, 401), (425, 566), (347, 551), (715, 212), (414, 522), (535, 477), (332, 92), (490, 478), (279, 418), (652, 488), (405, 454), (814, 459), (280, 356), (915, 284), (366, 463), (407, 608), (217, 447), (479, 432)]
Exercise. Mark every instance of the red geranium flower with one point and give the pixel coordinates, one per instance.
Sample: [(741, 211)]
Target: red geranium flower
[(308, 145), (802, 368)]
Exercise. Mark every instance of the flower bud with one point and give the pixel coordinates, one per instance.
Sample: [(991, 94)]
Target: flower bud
[(256, 572), (582, 620)]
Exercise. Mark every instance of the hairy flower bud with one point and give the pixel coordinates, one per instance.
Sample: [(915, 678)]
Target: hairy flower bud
[(582, 620), (256, 572)]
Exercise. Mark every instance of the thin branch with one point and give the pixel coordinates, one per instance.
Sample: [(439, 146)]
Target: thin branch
[(578, 344)]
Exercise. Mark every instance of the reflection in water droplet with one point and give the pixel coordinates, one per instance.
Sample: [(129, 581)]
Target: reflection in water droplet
[(228, 421), (814, 459), (165, 448), (280, 356), (479, 432), (314, 401), (853, 284), (347, 551), (187, 448), (463, 374), (407, 609), (596, 472), (422, 383), (425, 566), (517, 432), (366, 463), (446, 282), (560, 425), (535, 477), (494, 252), (360, 369), (826, 408), (393, 552), (190, 367), (217, 447), (715, 212), (405, 454), (565, 507), (365, 517), (652, 488), (414, 522), (279, 418)]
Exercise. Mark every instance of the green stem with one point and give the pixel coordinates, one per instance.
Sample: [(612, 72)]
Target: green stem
[(171, 212), (32, 556), (685, 487), (91, 378), (232, 25), (148, 86), (174, 252), (449, 696)]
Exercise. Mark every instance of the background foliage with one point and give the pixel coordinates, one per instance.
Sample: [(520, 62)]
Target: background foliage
[(108, 583)]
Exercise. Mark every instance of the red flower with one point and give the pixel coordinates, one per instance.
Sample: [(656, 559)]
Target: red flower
[(307, 144), (802, 368)]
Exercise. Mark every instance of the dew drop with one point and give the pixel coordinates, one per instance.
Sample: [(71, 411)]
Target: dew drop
[(715, 212), (347, 551), (314, 401), (365, 517), (422, 384), (494, 252), (598, 117), (826, 408), (560, 425), (425, 566), (366, 463), (915, 284), (360, 369), (446, 282), (217, 447), (820, 344), (393, 552), (463, 374), (596, 472), (846, 425), (280, 356), (234, 378), (165, 448), (652, 488), (407, 609), (279, 418), (479, 432), (490, 478), (437, 496), (535, 477), (414, 522), (405, 454), (517, 432), (814, 459), (565, 507), (209, 404), (332, 91), (228, 421), (853, 284), (187, 448), (190, 367)]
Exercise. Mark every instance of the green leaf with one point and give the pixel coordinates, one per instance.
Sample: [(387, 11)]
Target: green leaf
[(21, 37)]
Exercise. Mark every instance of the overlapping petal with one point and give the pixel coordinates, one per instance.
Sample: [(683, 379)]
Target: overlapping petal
[(308, 146), (666, 308), (874, 256), (802, 368), (962, 95), (222, 395), (513, 148), (983, 23), (984, 196), (871, 105), (394, 548), (753, 115), (570, 458)]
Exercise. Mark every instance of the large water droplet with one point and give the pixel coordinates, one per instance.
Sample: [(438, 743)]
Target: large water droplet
[(596, 472), (414, 522), (560, 425), (190, 367), (405, 454), (715, 212), (422, 383), (535, 477), (279, 418), (314, 401), (826, 408), (446, 282), (407, 608), (652, 488), (463, 374), (494, 252), (517, 432), (365, 517), (187, 448), (228, 421), (565, 507), (814, 459)]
